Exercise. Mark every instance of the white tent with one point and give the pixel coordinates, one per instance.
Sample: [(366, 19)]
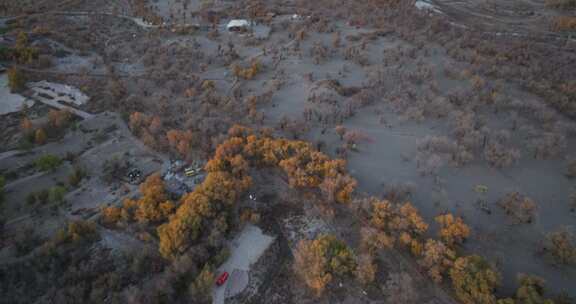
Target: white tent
[(238, 25)]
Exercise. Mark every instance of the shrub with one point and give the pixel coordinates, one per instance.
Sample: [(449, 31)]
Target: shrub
[(497, 155), (56, 194), (474, 280), (40, 137), (48, 162), (76, 231), (247, 73), (16, 80), (201, 288), (59, 118), (560, 246), (531, 290), (31, 198), (42, 196), (521, 208), (564, 23), (76, 176)]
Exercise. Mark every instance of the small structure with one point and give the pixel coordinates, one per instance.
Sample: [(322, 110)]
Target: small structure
[(238, 25)]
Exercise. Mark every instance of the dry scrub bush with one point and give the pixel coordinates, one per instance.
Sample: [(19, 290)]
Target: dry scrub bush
[(431, 147), (59, 118), (499, 156), (560, 246), (549, 145), (247, 73), (474, 280), (563, 23), (321, 260), (521, 208)]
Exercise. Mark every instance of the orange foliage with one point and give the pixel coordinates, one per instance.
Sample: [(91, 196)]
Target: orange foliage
[(40, 137), (228, 178), (437, 259), (247, 73), (153, 206), (453, 230), (59, 118), (564, 23), (26, 125), (401, 222), (180, 141)]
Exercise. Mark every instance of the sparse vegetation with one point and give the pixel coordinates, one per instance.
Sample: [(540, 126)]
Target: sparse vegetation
[(48, 162), (425, 100), (16, 80)]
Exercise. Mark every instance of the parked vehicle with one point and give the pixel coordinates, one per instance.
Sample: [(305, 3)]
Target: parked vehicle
[(222, 278)]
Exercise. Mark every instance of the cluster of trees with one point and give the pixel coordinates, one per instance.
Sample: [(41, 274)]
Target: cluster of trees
[(322, 260), (152, 207), (399, 223), (180, 141), (58, 121), (146, 127), (208, 207), (473, 279)]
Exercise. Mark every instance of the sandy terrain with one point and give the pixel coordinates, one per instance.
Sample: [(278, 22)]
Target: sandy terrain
[(245, 250), (10, 103)]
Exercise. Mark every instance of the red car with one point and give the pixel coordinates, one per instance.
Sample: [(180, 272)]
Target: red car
[(222, 278)]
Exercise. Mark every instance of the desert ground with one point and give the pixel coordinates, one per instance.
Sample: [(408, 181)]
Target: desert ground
[(424, 149)]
